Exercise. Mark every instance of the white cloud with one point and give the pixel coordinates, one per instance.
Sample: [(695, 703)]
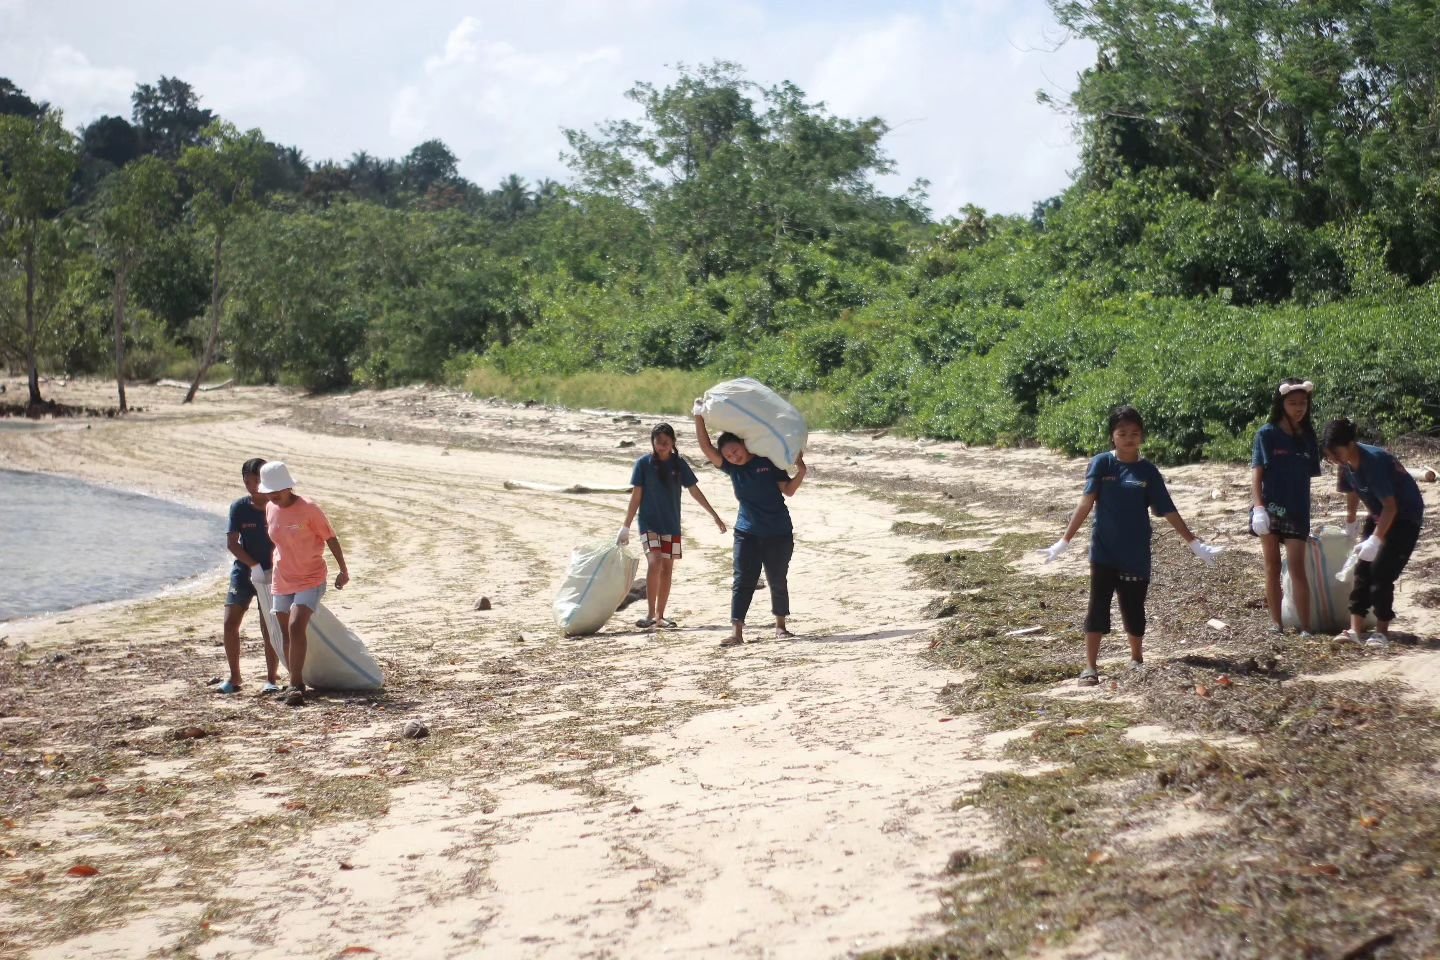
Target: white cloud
[(68, 79), (240, 84), (959, 94), (498, 105)]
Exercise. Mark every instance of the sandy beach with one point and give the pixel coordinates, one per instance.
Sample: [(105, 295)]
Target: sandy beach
[(621, 795)]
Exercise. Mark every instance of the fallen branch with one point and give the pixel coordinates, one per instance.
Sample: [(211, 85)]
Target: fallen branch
[(185, 386), (555, 488)]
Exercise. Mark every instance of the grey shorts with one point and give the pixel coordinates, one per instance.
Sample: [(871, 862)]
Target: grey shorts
[(282, 602)]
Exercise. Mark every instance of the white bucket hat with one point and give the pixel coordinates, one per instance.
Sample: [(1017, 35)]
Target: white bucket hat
[(274, 477)]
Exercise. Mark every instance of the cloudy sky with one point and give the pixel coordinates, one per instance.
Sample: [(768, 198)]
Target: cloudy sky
[(955, 79)]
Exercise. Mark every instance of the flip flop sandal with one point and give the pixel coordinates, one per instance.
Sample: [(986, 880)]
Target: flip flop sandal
[(666, 623), (270, 688), (295, 698), (227, 688), (1089, 677), (645, 623)]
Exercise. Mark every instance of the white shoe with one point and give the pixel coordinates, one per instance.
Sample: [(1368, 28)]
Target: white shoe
[(1306, 635), (1347, 636), (1377, 639)]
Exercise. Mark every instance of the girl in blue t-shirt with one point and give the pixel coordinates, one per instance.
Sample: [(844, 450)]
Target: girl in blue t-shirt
[(656, 481), (1396, 511), (764, 538), (1285, 457), (1124, 488)]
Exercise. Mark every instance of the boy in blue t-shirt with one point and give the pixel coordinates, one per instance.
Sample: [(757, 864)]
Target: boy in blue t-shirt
[(248, 539), (1124, 488), (656, 481), (1396, 508)]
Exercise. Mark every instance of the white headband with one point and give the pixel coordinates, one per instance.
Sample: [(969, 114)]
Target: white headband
[(1288, 388)]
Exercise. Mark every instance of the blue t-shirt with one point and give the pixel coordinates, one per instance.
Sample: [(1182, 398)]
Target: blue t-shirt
[(1126, 493), (762, 504), (1380, 476), (1288, 463), (660, 505), (249, 521)]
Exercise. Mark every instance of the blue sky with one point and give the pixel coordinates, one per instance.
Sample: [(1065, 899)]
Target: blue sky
[(498, 81)]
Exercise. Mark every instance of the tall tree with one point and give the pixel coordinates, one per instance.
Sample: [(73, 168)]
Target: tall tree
[(222, 172), (135, 203), (14, 102), (111, 139), (37, 157), (731, 171), (429, 164), (169, 116)]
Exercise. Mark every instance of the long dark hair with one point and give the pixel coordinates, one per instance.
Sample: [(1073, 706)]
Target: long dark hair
[(669, 470), (1277, 409)]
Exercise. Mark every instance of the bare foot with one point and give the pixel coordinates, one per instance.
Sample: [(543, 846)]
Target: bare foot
[(782, 634), (734, 640)]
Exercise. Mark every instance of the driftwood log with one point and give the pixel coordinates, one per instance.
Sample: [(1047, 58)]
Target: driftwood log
[(556, 488)]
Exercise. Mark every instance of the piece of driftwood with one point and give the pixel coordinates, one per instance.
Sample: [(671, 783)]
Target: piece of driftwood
[(556, 488), (203, 387)]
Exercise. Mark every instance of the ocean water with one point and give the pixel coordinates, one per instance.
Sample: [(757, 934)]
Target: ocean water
[(65, 543)]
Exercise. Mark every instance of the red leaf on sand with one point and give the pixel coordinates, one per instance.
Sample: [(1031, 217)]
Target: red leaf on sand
[(82, 870), (1223, 680), (1201, 690), (354, 951), (295, 805), (258, 775)]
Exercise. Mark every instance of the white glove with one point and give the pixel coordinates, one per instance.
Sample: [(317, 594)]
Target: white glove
[(1352, 529), (259, 574), (1370, 549), (1055, 549), (699, 409), (1260, 520), (623, 537), (1205, 552)]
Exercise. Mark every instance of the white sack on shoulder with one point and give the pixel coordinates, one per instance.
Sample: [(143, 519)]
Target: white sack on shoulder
[(768, 424)]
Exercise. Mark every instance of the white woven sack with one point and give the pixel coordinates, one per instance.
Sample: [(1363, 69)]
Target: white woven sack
[(335, 657), (598, 579), (768, 424), (1325, 554)]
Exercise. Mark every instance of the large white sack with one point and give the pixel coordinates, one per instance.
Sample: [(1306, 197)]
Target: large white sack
[(598, 579), (768, 424), (1325, 554), (335, 658)]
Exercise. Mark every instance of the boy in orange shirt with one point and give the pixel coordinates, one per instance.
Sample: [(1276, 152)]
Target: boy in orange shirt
[(300, 532)]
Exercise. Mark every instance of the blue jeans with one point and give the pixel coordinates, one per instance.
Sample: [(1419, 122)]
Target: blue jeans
[(753, 553)]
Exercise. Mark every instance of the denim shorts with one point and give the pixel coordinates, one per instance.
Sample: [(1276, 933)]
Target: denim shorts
[(241, 591), (305, 598)]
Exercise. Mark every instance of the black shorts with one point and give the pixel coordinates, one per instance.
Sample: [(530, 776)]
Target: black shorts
[(1284, 528)]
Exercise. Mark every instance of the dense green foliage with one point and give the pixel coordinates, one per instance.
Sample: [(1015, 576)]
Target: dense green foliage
[(1259, 196)]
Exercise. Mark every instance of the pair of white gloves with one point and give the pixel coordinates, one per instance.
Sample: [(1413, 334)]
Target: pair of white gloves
[(1202, 550)]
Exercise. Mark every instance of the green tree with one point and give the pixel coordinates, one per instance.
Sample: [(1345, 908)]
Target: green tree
[(37, 157), (135, 205), (732, 173), (222, 173), (169, 116)]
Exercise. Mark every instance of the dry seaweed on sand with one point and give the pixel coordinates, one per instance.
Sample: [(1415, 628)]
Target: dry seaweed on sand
[(1320, 837)]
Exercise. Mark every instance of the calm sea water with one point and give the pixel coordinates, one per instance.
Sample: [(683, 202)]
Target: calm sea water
[(65, 543)]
